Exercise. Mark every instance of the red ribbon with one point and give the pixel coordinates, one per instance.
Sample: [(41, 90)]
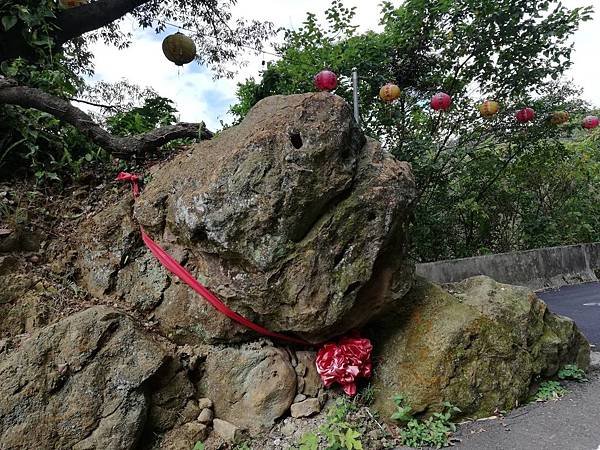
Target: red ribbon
[(342, 363)]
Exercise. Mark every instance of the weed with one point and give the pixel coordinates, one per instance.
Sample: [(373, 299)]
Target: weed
[(310, 441), (403, 409), (242, 446), (434, 431), (366, 396), (199, 446), (572, 372), (337, 432), (549, 390)]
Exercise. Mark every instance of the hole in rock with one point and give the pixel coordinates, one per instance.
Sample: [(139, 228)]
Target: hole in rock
[(296, 139), (352, 288)]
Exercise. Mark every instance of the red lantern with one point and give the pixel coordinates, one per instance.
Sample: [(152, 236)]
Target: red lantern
[(590, 122), (525, 115), (441, 101), (325, 80)]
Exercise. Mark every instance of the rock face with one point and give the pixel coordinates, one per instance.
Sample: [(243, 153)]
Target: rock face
[(480, 348), (292, 217), (78, 384), (251, 386)]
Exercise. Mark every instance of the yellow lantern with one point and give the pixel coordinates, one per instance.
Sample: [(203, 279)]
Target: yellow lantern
[(389, 92), (179, 49), (559, 117), (489, 108), (67, 4)]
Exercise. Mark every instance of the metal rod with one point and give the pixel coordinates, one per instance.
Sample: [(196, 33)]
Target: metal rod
[(355, 94)]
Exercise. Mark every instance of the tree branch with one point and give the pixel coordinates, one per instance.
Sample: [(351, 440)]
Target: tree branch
[(70, 24), (27, 97), (87, 102)]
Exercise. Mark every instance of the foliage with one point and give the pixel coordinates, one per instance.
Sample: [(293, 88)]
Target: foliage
[(310, 441), (35, 19), (549, 390), (113, 98), (572, 372), (433, 431), (199, 446), (403, 409), (38, 143), (366, 396), (35, 142), (156, 112), (337, 432), (485, 185)]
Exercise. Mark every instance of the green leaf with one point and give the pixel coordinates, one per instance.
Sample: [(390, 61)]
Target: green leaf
[(199, 446), (8, 22)]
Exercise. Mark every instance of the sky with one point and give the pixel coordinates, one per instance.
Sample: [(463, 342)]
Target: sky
[(199, 97)]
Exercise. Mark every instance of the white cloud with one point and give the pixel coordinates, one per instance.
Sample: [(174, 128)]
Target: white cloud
[(199, 97)]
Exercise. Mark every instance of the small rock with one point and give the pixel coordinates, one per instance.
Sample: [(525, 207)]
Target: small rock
[(306, 408), (190, 411), (288, 429), (299, 398), (300, 369), (301, 383), (226, 430), (292, 354), (312, 380), (34, 259), (206, 416), (322, 397), (205, 403), (196, 431)]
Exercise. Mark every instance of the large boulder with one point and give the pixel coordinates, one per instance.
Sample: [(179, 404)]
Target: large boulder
[(250, 386), (79, 384), (293, 218), (480, 348)]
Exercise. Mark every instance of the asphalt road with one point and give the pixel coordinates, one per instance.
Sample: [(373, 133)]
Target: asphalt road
[(570, 423), (582, 304)]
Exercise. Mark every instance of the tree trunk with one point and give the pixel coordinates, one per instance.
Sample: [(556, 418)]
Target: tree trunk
[(70, 24)]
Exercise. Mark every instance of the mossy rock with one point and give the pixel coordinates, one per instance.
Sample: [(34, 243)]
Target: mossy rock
[(480, 347)]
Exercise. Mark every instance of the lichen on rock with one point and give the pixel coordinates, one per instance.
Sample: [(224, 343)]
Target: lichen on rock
[(480, 348), (293, 217)]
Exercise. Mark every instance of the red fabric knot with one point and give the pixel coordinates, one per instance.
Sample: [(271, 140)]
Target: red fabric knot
[(133, 179), (344, 362)]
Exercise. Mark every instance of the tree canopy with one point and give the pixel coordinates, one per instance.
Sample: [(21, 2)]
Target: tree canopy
[(475, 192), (44, 52)]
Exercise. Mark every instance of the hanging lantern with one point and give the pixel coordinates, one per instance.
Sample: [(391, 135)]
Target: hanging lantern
[(525, 115), (389, 92), (325, 80), (590, 122), (441, 101), (559, 117), (179, 49), (489, 108), (67, 4)]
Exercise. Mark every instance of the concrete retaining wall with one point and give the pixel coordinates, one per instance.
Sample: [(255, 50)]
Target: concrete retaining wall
[(537, 269)]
